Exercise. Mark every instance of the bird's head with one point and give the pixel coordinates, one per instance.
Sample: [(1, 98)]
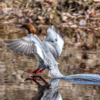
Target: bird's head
[(31, 29)]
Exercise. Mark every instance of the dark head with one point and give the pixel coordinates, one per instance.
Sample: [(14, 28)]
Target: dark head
[(31, 29)]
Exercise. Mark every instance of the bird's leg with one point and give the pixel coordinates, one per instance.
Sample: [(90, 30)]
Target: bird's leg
[(39, 77), (34, 71), (32, 80), (40, 71)]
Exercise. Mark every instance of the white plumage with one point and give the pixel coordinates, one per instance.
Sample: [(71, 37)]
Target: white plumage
[(45, 51)]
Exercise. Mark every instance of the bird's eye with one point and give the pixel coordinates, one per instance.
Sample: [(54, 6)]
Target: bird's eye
[(51, 41)]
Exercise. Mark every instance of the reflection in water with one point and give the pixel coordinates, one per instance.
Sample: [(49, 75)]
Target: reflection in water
[(49, 90), (83, 78)]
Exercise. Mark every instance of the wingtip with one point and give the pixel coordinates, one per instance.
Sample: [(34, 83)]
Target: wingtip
[(10, 41), (5, 41)]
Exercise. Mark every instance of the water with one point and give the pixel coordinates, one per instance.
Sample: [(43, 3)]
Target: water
[(72, 61)]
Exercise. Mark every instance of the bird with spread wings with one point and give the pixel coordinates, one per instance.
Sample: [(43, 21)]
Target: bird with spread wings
[(45, 51)]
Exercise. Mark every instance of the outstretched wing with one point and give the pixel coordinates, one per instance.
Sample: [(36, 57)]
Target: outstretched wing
[(26, 45), (54, 39)]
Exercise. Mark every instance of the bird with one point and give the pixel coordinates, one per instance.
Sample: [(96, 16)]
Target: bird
[(45, 51)]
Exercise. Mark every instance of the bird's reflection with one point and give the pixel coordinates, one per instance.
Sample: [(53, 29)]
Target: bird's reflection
[(48, 91)]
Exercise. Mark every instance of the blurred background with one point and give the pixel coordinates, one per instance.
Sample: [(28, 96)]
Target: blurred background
[(79, 23)]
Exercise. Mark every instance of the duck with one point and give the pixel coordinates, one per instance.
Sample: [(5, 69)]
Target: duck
[(45, 51)]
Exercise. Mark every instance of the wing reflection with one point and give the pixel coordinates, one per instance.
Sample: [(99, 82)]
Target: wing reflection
[(83, 78), (48, 91)]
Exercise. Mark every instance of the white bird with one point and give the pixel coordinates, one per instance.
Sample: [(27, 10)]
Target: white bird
[(45, 51)]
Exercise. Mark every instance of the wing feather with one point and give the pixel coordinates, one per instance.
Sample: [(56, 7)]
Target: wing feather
[(55, 39), (26, 45)]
